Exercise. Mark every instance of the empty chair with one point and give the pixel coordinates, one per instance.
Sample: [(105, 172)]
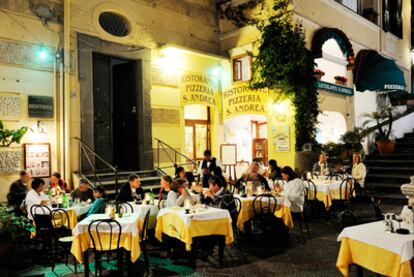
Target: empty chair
[(126, 208)]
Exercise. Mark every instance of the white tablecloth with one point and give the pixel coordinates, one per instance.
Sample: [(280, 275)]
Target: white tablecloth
[(129, 224), (199, 214), (374, 234), (80, 210), (326, 185), (142, 210)]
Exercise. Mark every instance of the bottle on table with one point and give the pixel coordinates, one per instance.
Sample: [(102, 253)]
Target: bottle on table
[(64, 201), (152, 197)]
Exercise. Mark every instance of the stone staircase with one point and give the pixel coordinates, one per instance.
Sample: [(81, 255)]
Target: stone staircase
[(386, 173), (150, 179)]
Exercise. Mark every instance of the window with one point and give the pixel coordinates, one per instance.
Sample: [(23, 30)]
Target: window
[(114, 24), (392, 17), (241, 69), (197, 130), (366, 8)]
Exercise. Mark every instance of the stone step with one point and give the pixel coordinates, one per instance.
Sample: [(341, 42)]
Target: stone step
[(382, 169), (389, 163), (122, 174), (390, 157)]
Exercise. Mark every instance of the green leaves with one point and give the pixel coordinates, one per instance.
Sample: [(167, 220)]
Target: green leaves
[(7, 137), (13, 227)]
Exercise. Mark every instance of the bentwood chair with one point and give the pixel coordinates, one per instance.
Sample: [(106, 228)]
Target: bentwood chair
[(312, 205), (63, 235), (105, 235), (346, 193), (162, 204), (126, 208), (264, 221), (234, 210), (143, 240)]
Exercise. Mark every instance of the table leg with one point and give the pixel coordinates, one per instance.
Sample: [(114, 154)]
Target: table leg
[(221, 249), (86, 262)]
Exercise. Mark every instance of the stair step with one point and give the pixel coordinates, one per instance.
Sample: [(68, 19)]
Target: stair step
[(385, 163), (392, 169), (381, 185)]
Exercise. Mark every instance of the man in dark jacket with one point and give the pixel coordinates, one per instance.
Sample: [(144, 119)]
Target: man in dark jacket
[(218, 196), (131, 190), (18, 191)]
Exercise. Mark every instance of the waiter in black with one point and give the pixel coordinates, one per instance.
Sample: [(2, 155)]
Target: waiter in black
[(207, 166)]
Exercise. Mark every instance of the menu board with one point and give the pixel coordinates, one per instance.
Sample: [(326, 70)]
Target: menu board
[(37, 159)]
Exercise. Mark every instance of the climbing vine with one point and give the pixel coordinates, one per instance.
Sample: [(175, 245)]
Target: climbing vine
[(283, 63)]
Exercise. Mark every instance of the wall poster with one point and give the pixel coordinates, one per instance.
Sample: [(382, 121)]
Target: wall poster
[(37, 159), (281, 138)]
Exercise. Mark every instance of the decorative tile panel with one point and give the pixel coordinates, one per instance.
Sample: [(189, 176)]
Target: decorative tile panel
[(10, 160), (10, 107)]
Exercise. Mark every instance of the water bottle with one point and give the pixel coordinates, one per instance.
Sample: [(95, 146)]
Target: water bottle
[(64, 201), (152, 196)]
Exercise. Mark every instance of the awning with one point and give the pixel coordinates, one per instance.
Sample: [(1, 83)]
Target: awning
[(377, 73)]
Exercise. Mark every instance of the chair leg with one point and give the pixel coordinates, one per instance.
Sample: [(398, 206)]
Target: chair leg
[(146, 260)]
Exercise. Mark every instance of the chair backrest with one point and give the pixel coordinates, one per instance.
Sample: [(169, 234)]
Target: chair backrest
[(100, 230), (233, 206), (61, 222), (335, 176), (23, 207), (346, 189), (41, 216), (126, 208), (264, 204), (310, 190), (232, 188), (162, 204), (377, 209), (143, 235)]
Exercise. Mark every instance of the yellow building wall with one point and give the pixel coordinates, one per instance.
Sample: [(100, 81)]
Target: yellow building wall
[(21, 75)]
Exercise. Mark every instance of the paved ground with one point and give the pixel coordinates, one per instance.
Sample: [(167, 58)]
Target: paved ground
[(302, 257)]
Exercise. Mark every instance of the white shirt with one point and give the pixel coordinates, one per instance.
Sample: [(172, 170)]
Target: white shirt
[(294, 191), (200, 170), (359, 172), (174, 199), (34, 198)]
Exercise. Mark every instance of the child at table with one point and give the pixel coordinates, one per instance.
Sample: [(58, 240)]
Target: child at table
[(99, 204)]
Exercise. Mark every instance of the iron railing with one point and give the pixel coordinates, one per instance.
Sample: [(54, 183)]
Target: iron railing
[(173, 157), (91, 156)]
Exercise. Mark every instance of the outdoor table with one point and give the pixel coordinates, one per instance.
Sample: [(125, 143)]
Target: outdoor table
[(369, 246), (246, 212), (129, 237), (74, 212), (175, 222), (142, 210), (326, 191)]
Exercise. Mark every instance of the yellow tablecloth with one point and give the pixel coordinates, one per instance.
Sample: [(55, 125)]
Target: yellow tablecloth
[(372, 258), (172, 225), (83, 242), (247, 213)]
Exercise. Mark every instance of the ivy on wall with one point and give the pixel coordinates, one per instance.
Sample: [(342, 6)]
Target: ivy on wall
[(284, 63)]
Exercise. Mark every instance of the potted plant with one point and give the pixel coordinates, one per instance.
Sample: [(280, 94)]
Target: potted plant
[(13, 228), (7, 137), (340, 80), (352, 140), (384, 144), (317, 73)]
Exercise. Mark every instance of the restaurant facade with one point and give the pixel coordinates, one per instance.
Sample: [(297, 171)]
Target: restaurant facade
[(136, 72)]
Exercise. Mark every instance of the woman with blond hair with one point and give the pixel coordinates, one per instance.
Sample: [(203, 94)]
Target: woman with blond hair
[(359, 171)]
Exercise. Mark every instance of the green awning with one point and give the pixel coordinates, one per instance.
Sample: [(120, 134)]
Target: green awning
[(377, 73)]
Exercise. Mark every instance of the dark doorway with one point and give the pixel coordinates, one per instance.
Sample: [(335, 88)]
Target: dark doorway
[(115, 101)]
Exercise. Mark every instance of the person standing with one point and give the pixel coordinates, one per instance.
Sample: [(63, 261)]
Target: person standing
[(18, 191), (359, 171), (83, 192), (36, 196), (208, 164), (131, 190)]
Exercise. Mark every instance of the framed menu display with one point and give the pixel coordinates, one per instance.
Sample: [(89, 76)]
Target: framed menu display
[(37, 159)]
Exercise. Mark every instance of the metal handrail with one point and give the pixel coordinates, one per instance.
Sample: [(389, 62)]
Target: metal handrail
[(385, 122), (83, 148), (161, 145)]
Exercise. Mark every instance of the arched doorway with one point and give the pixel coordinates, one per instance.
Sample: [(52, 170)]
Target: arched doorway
[(331, 126)]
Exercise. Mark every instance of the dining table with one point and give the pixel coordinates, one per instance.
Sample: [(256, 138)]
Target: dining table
[(200, 221), (369, 246), (82, 240), (246, 213), (326, 191), (142, 209)]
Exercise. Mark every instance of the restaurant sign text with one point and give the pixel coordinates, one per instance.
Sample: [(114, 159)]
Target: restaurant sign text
[(334, 88), (198, 89), (241, 99), (40, 106)]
